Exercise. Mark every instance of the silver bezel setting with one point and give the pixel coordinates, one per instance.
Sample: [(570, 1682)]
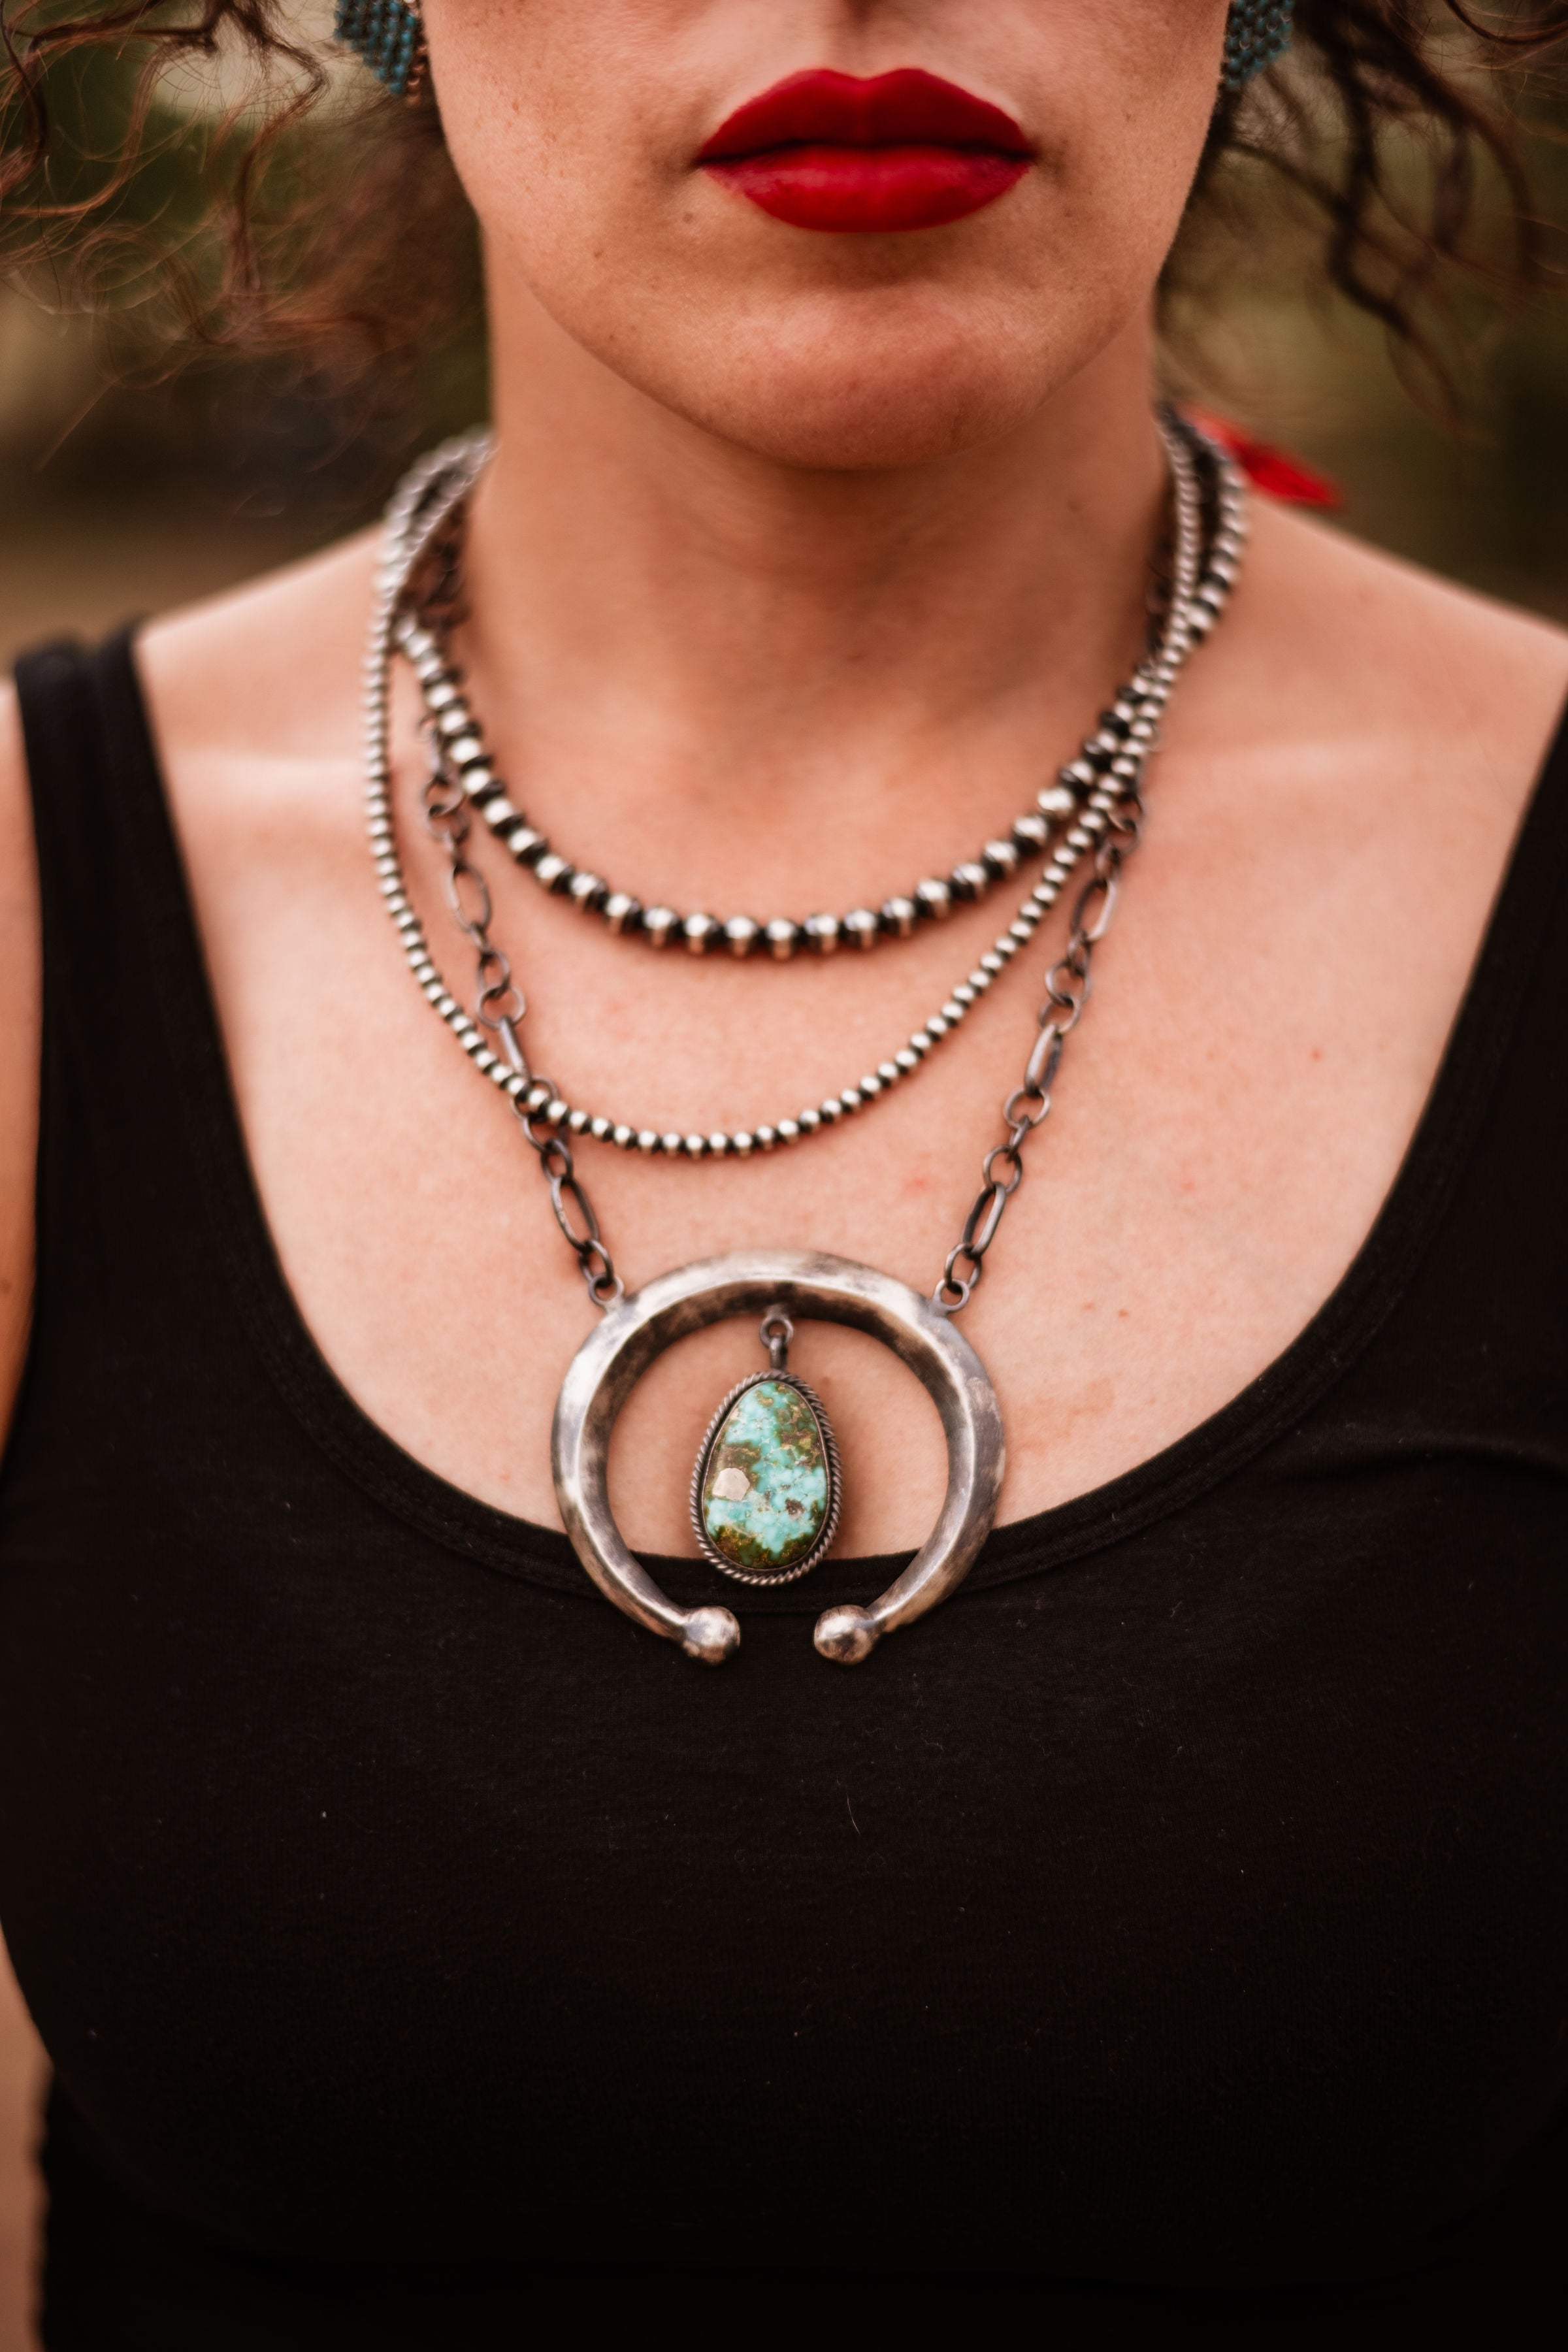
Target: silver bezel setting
[(820, 1549)]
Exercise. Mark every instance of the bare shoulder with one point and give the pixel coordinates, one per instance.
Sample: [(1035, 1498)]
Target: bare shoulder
[(1350, 659), (267, 671), (20, 993)]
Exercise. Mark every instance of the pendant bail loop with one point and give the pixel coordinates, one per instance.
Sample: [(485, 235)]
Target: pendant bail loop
[(775, 1332)]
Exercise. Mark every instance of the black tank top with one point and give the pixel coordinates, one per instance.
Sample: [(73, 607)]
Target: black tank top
[(1166, 1941)]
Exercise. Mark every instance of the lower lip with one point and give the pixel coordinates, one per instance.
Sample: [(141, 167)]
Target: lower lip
[(867, 189)]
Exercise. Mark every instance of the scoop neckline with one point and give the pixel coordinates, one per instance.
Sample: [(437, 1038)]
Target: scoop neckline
[(1201, 1459)]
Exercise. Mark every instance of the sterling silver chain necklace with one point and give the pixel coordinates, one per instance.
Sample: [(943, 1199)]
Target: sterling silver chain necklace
[(767, 1490)]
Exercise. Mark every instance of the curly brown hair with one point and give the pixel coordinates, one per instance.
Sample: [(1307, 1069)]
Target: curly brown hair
[(276, 222)]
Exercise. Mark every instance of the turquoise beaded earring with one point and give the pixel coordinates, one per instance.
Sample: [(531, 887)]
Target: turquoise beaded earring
[(390, 37), (1258, 32)]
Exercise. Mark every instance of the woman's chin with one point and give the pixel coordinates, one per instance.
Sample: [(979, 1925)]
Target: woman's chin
[(840, 399)]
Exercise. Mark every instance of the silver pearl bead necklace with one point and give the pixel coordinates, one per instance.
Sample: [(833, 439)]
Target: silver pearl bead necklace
[(451, 720), (422, 639), (1078, 811)]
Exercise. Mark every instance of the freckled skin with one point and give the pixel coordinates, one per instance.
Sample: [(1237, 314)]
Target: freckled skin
[(772, 1435)]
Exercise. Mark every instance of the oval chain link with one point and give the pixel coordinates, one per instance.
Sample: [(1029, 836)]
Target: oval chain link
[(1028, 1106), (447, 821)]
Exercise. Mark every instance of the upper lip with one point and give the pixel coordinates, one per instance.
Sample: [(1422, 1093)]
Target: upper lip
[(825, 108)]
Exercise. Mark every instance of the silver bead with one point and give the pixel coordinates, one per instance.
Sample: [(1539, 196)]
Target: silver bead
[(466, 752), (536, 1098), (831, 1110), (577, 1123), (991, 962), (935, 1027), (899, 916), (696, 1147), (822, 933), (526, 844), (890, 1072), (1023, 930), (1001, 858), (1031, 831), (660, 923), (767, 1136), (554, 1111), (624, 1138), (719, 1146), (648, 1142), (741, 1144), (741, 935), (971, 880), (809, 1120), (870, 1087), (782, 938), (861, 927), (851, 1100), (920, 1043), (907, 1060), (671, 1145), (1058, 800), (934, 898), (588, 890), (554, 870), (601, 1128), (621, 911), (454, 720), (789, 1132), (700, 931), (440, 692), (962, 995)]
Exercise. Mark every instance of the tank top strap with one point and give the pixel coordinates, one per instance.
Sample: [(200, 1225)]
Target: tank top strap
[(134, 1088), (117, 912)]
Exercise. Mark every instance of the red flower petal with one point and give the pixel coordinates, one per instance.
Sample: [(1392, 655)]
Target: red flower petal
[(1273, 471)]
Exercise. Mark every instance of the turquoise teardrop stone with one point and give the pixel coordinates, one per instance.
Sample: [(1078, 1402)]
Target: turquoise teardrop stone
[(766, 1492)]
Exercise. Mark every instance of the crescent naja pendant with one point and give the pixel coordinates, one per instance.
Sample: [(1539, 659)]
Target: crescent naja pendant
[(815, 1288)]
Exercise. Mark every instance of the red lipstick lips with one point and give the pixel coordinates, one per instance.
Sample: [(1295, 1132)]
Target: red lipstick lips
[(902, 151)]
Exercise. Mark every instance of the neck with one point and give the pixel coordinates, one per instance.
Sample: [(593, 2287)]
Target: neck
[(677, 620)]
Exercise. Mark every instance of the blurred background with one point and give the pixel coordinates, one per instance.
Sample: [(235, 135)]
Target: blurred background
[(121, 494)]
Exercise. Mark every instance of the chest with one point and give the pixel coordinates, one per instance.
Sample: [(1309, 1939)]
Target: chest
[(1265, 1021)]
